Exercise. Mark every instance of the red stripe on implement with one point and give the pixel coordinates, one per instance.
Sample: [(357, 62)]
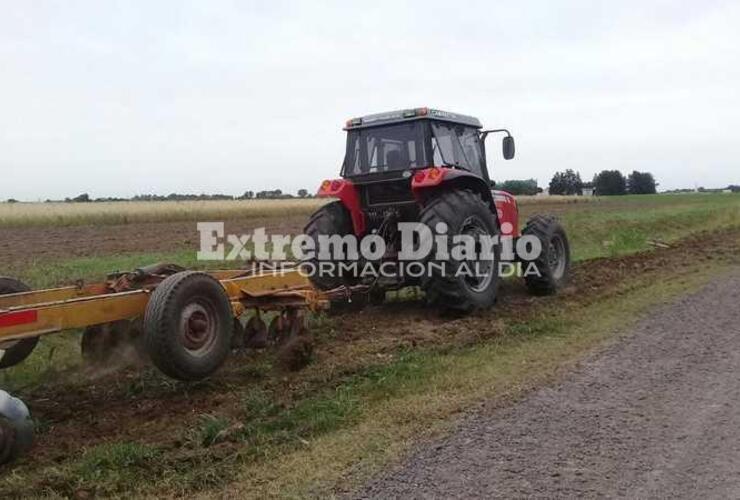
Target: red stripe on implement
[(18, 318)]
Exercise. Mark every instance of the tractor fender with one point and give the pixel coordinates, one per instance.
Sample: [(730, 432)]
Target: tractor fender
[(425, 182), (348, 194), (507, 211)]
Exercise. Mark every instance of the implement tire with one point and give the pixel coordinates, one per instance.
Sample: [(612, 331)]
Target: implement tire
[(553, 263), (188, 325), (464, 212), (331, 219), (13, 352)]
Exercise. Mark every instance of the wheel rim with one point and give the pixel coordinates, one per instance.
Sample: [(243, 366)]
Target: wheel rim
[(556, 257), (483, 269), (198, 327)]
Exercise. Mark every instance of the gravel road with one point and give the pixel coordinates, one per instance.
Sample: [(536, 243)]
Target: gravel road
[(655, 415)]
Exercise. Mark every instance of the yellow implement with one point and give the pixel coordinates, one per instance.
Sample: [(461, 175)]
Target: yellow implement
[(186, 320)]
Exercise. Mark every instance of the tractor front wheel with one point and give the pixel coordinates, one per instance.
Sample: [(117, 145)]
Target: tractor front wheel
[(549, 271)]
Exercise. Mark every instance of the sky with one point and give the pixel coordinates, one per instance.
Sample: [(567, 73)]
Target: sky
[(124, 98)]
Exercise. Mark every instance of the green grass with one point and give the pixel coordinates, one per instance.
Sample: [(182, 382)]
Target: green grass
[(51, 274), (623, 225)]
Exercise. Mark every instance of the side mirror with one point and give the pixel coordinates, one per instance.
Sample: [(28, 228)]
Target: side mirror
[(508, 147)]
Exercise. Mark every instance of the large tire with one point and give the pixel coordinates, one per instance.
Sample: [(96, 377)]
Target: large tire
[(15, 351), (464, 212), (331, 219), (188, 325), (553, 263)]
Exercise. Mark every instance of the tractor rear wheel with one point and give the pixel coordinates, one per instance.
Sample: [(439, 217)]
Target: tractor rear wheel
[(13, 352), (467, 284), (552, 266), (188, 326), (331, 219)]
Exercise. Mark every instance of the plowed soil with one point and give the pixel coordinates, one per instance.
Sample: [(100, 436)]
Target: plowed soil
[(23, 245)]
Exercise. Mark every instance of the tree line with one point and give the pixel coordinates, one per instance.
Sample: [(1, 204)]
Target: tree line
[(272, 194), (605, 183), (568, 182)]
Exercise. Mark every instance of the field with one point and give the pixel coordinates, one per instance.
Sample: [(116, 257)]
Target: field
[(382, 378)]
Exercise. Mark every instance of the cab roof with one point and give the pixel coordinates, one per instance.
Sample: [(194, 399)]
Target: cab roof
[(404, 115)]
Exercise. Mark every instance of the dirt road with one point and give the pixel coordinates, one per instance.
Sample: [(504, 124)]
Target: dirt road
[(656, 414)]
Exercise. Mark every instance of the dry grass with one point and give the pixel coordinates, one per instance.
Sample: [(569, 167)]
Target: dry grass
[(127, 212), (557, 199)]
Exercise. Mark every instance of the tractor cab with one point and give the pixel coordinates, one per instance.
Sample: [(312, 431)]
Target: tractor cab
[(389, 144), (395, 160)]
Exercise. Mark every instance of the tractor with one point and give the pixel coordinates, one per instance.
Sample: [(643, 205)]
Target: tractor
[(429, 166)]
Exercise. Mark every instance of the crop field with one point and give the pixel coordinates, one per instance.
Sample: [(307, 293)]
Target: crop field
[(381, 379), (131, 212)]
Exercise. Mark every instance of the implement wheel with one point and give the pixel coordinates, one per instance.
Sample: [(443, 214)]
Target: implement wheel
[(188, 326), (13, 352)]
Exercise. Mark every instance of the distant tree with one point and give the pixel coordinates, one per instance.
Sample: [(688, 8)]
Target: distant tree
[(610, 182), (12, 200), (641, 183), (567, 183), (271, 195), (734, 188), (248, 195), (83, 198), (519, 187), (302, 193)]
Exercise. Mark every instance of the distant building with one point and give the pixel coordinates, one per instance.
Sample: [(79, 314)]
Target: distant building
[(588, 189)]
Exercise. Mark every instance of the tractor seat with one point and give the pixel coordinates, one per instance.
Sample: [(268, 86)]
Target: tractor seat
[(394, 160)]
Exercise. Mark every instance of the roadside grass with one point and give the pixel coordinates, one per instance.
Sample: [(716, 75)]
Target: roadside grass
[(115, 463), (415, 396), (331, 440)]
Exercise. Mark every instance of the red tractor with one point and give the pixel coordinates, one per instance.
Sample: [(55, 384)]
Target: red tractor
[(429, 166)]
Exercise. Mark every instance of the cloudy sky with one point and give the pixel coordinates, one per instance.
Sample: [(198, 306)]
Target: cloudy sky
[(120, 98)]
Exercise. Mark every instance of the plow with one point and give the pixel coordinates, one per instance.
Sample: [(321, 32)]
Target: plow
[(185, 322)]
